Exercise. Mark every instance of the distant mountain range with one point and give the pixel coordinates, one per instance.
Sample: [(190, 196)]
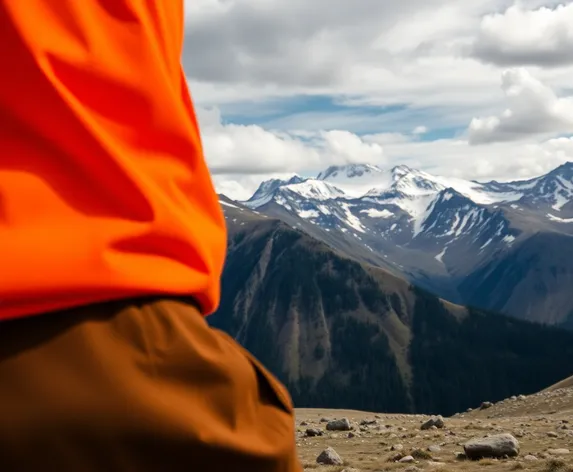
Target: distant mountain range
[(342, 332), (501, 246)]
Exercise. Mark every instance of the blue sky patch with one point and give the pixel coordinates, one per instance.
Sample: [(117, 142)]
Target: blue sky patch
[(322, 112)]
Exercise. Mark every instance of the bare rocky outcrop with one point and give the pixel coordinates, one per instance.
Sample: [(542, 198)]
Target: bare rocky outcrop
[(342, 424), (329, 457), (496, 446)]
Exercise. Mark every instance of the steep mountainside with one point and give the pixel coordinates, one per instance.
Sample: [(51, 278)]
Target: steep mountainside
[(345, 334), (449, 236)]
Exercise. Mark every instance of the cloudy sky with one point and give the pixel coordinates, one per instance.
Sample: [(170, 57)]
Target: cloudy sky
[(481, 89)]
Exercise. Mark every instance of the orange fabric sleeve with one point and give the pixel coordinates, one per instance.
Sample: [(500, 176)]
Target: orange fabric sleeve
[(104, 191)]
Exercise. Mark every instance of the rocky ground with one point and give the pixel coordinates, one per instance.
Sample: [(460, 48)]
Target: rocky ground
[(532, 433)]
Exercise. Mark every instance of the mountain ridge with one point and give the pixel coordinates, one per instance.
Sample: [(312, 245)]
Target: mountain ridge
[(435, 231), (342, 333)]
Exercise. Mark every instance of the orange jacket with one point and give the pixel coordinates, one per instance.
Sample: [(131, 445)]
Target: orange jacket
[(104, 192)]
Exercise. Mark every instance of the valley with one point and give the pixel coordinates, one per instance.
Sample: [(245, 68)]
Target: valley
[(344, 333)]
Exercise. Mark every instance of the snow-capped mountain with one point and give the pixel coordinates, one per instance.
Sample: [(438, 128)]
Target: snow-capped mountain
[(434, 230), (364, 191)]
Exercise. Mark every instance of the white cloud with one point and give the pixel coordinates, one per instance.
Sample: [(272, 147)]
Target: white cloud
[(520, 36), (439, 60), (533, 109), (252, 154), (250, 150), (373, 52), (496, 161), (448, 157)]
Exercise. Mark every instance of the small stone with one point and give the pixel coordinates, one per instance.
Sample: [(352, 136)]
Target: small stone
[(437, 421), (407, 460), (329, 457), (558, 452), (339, 425), (552, 434), (530, 458), (485, 405), (395, 457), (436, 464), (368, 422), (312, 432), (351, 435), (397, 447), (434, 448)]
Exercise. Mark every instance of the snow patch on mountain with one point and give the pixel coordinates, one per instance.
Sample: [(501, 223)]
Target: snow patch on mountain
[(352, 220), (355, 180), (374, 213), (559, 220), (315, 189), (222, 202), (308, 214)]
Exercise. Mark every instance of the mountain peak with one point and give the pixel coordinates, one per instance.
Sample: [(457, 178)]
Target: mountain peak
[(348, 171), (268, 187), (401, 169), (567, 168)]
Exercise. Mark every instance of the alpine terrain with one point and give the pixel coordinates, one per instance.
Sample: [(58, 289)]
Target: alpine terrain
[(317, 302), (500, 246)]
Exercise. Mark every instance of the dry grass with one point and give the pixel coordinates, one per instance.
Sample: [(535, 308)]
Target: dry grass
[(557, 465), (371, 450)]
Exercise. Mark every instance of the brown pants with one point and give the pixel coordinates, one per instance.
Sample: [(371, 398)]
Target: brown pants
[(137, 386)]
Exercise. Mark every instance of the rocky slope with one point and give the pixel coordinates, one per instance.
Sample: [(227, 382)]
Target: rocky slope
[(345, 334), (525, 432), (383, 442)]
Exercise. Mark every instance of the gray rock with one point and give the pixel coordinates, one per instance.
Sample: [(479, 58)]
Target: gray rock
[(312, 432), (329, 457), (495, 446), (530, 458), (434, 448), (552, 434), (485, 405), (407, 460), (395, 457), (558, 452), (339, 425), (368, 422), (437, 421)]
